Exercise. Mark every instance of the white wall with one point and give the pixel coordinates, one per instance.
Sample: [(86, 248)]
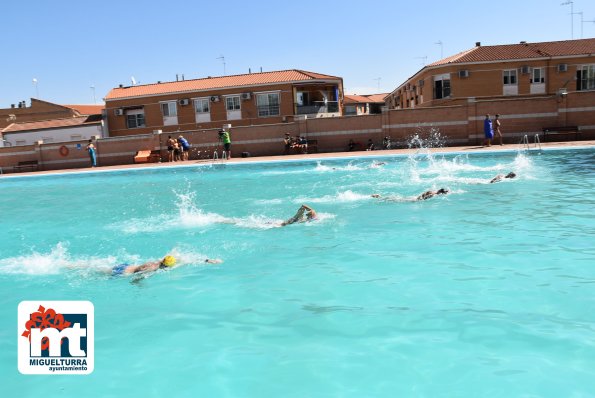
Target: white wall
[(63, 134)]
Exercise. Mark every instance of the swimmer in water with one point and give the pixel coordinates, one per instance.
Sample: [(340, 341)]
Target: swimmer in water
[(424, 196), (429, 194), (151, 266), (500, 177), (305, 213)]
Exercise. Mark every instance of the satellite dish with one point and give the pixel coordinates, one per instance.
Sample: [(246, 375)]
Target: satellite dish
[(133, 80)]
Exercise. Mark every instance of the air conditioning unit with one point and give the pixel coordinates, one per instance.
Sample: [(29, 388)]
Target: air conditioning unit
[(119, 112), (463, 73), (184, 101), (246, 96), (562, 67), (525, 69), (215, 98), (420, 83)]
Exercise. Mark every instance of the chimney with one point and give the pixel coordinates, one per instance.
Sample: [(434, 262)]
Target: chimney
[(183, 77), (261, 69), (249, 70), (12, 105), (121, 85), (477, 44), (176, 77), (523, 42)]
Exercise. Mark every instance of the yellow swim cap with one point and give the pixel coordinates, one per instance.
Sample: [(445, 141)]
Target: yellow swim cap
[(169, 261)]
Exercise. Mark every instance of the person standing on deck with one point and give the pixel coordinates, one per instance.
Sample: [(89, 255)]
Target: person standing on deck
[(92, 153), (488, 131)]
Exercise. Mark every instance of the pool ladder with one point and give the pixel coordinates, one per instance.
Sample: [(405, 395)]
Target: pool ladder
[(536, 142), (216, 155)]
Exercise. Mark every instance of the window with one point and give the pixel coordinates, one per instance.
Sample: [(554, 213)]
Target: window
[(509, 77), (201, 105), (169, 109), (585, 77), (537, 76), (441, 86), (268, 104), (135, 118), (232, 103)]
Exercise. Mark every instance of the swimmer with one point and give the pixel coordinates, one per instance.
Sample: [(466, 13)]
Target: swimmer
[(428, 194), (152, 266), (423, 196), (500, 177), (305, 213)]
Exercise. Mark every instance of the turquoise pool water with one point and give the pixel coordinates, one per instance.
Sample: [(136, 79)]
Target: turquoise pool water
[(485, 292)]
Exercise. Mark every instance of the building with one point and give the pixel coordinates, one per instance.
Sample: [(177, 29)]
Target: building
[(49, 122), (363, 104), (56, 130), (241, 100), (501, 71)]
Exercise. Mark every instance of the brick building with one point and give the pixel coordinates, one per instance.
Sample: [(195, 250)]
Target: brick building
[(505, 71), (369, 104), (240, 100)]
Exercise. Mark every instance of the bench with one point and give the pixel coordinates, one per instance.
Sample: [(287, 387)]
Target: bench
[(147, 157), (28, 165), (312, 146), (561, 130)]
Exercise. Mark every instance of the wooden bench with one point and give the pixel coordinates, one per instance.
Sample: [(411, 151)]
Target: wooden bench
[(147, 157), (561, 130), (312, 146), (28, 165)]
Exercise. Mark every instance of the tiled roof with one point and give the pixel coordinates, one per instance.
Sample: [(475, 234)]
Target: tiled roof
[(354, 99), (87, 109), (365, 99), (219, 82), (49, 124), (510, 52), (377, 97)]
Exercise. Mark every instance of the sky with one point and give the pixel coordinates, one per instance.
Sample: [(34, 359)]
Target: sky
[(74, 52)]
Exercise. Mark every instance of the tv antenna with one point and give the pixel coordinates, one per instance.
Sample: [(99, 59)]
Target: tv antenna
[(222, 58), (424, 58), (571, 16), (439, 42), (378, 81), (36, 88)]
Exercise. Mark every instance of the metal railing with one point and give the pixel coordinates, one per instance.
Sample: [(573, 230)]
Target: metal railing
[(318, 107)]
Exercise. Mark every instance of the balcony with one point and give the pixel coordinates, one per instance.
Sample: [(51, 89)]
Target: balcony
[(318, 107)]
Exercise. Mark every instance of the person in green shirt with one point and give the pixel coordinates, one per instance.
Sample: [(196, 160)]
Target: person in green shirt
[(226, 139)]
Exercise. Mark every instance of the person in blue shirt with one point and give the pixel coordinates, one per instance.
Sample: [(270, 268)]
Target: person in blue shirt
[(92, 153), (184, 147), (488, 131)]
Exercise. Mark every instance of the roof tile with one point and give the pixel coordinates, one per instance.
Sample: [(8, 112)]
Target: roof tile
[(218, 82)]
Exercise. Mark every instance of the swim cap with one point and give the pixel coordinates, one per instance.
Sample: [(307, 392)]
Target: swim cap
[(169, 261)]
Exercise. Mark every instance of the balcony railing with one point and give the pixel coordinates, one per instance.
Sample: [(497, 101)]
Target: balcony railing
[(268, 110), (318, 107)]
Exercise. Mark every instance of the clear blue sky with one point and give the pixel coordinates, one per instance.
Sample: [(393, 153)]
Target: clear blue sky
[(69, 46)]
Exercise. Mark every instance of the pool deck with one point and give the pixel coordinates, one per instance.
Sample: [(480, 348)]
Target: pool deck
[(325, 155)]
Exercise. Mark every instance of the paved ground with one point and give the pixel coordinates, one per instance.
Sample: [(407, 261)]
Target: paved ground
[(360, 154)]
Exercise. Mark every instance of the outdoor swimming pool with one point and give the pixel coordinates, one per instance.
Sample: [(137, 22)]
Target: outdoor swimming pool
[(487, 291)]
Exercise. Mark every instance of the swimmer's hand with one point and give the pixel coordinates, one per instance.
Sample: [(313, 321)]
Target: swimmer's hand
[(213, 261)]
